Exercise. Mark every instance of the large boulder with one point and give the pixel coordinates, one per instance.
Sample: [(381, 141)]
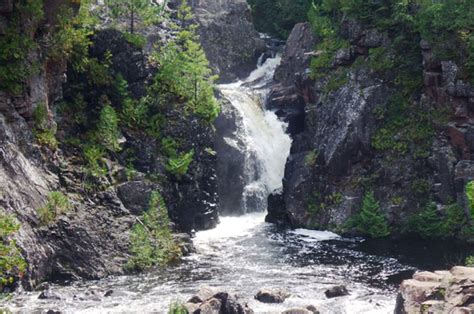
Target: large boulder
[(438, 292), (336, 291), (211, 301), (272, 295)]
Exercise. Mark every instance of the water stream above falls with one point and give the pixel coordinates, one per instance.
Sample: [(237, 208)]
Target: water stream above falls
[(244, 254)]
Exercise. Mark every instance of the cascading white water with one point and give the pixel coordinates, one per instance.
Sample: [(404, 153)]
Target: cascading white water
[(267, 144)]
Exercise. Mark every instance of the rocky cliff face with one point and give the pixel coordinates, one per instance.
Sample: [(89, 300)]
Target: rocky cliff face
[(91, 240), (228, 36), (334, 158)]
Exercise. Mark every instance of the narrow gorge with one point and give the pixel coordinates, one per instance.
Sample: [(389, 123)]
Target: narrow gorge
[(236, 156)]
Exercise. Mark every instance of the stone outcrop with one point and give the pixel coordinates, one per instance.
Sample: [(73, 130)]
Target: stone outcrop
[(272, 295), (336, 291), (231, 158), (438, 292), (210, 301), (333, 159), (228, 37)]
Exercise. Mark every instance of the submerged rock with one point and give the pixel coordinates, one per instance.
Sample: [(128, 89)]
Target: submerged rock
[(272, 295), (308, 310), (438, 292), (336, 291)]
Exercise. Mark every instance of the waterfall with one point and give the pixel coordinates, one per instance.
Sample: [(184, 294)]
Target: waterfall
[(266, 143)]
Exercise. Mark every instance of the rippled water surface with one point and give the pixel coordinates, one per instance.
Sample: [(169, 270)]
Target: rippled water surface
[(243, 254)]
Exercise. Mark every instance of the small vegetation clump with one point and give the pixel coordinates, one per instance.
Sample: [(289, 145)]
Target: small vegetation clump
[(152, 242), (57, 204), (12, 263), (177, 308), (431, 223), (370, 220), (469, 261), (15, 45), (470, 196), (177, 163), (107, 128), (45, 135)]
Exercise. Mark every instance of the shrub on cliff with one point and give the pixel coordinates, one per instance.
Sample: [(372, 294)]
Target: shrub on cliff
[(12, 264), (152, 242), (107, 128), (470, 196), (57, 204), (370, 221)]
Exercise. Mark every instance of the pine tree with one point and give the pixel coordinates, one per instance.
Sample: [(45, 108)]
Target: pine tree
[(370, 220), (135, 9), (107, 128), (185, 72)]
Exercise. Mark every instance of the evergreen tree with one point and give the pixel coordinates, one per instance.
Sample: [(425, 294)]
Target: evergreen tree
[(107, 128), (133, 10), (370, 220), (185, 72)]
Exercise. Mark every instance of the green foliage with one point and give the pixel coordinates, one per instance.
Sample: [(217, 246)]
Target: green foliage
[(177, 308), (406, 129), (93, 155), (70, 37), (325, 51), (311, 158), (152, 243), (370, 220), (277, 17), (379, 59), (137, 40), (17, 43), (470, 196), (45, 135), (336, 80), (97, 71), (107, 128), (448, 26), (184, 73), (135, 10), (469, 261), (317, 202), (432, 223), (57, 204), (12, 263), (178, 165)]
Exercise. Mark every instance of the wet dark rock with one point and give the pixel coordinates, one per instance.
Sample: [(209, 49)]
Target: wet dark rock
[(272, 295), (49, 295), (293, 88), (231, 157), (53, 312), (134, 195), (108, 293), (228, 37), (308, 310), (210, 301), (336, 291)]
